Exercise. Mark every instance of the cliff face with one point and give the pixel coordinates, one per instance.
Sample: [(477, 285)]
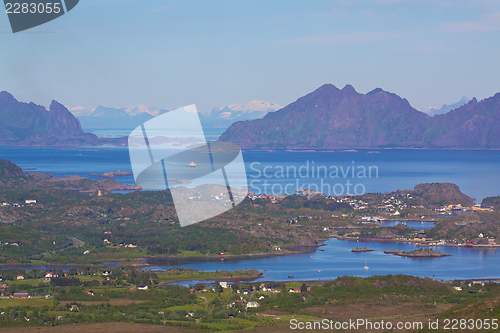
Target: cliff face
[(342, 119), (31, 124)]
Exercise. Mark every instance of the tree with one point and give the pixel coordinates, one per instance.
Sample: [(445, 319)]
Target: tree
[(283, 288), (303, 288), (172, 249)]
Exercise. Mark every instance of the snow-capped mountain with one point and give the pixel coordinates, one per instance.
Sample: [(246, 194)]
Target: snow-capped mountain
[(133, 116), (114, 118), (447, 108), (254, 105), (226, 115)]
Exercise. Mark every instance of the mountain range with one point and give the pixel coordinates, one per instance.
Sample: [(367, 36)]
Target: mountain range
[(31, 124), (332, 118), (131, 117), (446, 108)]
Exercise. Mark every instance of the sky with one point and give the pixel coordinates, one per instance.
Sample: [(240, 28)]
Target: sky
[(169, 54)]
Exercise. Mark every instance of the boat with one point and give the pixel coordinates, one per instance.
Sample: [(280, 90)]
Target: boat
[(319, 270), (192, 164), (290, 276), (366, 267)]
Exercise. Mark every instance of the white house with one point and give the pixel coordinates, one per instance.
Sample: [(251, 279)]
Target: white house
[(252, 305), (142, 287), (223, 284)]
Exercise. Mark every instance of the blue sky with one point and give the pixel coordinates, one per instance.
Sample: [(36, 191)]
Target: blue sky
[(213, 53)]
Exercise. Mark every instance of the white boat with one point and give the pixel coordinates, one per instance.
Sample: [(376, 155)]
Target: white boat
[(366, 267), (192, 164)]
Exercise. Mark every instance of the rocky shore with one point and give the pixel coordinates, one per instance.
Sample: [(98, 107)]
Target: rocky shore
[(362, 249), (420, 253)]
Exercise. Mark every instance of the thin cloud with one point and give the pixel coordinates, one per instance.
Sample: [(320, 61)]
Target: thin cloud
[(340, 39), (490, 22)]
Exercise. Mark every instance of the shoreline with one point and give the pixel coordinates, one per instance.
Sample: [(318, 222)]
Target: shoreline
[(417, 243)]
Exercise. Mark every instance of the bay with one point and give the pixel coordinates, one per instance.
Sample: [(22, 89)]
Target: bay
[(336, 259)]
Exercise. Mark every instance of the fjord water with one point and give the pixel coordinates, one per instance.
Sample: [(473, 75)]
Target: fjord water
[(476, 172), (336, 259)]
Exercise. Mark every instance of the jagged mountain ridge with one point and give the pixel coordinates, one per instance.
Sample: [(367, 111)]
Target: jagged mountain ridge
[(330, 118), (28, 124)]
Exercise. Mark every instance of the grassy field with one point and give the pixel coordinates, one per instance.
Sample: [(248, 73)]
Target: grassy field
[(113, 301), (182, 308), (99, 328), (201, 275), (5, 303), (30, 282)]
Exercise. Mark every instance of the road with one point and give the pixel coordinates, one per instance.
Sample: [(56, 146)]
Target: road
[(78, 242)]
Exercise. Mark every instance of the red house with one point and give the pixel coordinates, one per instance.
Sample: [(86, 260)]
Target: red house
[(20, 295)]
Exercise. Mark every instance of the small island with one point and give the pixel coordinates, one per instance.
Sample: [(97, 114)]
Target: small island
[(420, 253), (362, 249), (112, 174)]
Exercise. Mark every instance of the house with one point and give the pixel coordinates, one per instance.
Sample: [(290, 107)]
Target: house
[(86, 252), (30, 201), (230, 316), (252, 305), (20, 277), (458, 288), (143, 288), (132, 288), (190, 314), (223, 284), (20, 295), (261, 297), (106, 273), (90, 293), (191, 291), (49, 275)]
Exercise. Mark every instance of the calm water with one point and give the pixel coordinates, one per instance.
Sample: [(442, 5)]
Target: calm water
[(414, 225), (477, 173), (336, 260)]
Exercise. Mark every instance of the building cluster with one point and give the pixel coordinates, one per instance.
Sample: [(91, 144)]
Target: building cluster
[(121, 244), (29, 202), (12, 243)]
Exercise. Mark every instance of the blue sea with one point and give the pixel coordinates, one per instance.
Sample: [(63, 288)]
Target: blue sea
[(476, 172)]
